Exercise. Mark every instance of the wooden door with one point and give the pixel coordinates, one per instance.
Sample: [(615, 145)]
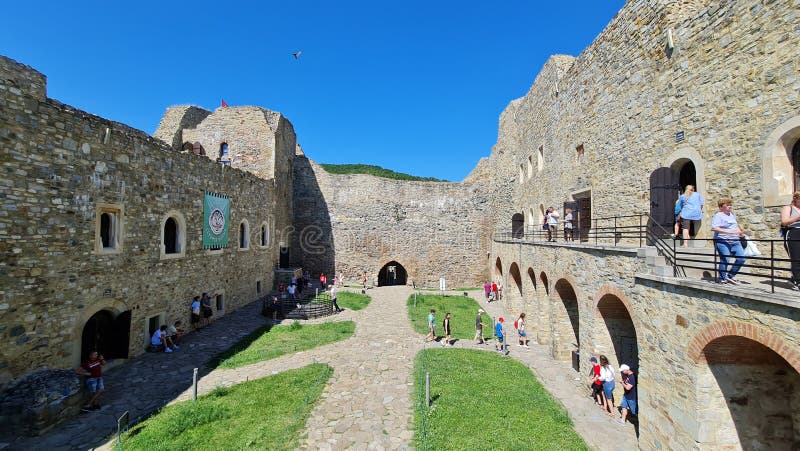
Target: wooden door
[(584, 217), (664, 191)]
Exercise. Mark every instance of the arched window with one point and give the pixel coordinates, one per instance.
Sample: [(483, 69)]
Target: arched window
[(173, 235), (244, 235), (540, 159), (223, 150), (264, 235), (107, 230), (187, 147)]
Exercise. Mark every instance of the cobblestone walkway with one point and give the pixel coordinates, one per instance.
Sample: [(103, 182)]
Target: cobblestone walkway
[(367, 404)]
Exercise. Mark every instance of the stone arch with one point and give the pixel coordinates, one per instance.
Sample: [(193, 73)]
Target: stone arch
[(392, 273), (516, 277), (748, 388), (690, 168), (115, 307), (532, 277), (778, 176), (498, 268), (263, 235), (173, 235), (244, 235), (545, 284), (565, 318), (618, 340)]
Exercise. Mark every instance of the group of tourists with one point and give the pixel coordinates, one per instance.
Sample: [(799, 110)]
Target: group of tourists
[(730, 241), (201, 311), (603, 381), (492, 291), (552, 219)]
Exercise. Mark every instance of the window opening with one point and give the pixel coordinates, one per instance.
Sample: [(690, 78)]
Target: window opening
[(171, 236)]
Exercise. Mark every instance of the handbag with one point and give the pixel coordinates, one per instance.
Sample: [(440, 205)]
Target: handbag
[(750, 249)]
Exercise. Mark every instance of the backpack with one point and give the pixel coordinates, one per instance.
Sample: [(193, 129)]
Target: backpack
[(515, 324)]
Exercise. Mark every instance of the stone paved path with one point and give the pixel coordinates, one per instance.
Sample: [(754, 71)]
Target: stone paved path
[(367, 404)]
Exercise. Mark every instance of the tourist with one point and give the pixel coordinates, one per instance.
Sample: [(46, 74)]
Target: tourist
[(498, 331), (196, 312), (568, 225), (726, 239), (341, 279), (790, 228), (93, 370), (175, 332), (691, 212), (596, 383), (487, 289), (522, 337), (333, 298), (446, 327), (323, 281), (275, 307), (552, 224), (431, 326), (364, 281), (494, 292), (607, 376), (205, 306), (160, 338), (545, 224), (291, 290), (479, 328), (629, 397)]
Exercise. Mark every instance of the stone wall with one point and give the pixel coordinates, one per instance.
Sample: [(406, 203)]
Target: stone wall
[(685, 400), (357, 223), (61, 167)]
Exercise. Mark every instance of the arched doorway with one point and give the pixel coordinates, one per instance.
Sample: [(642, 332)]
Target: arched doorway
[(392, 273), (517, 225), (107, 335), (748, 396), (796, 164), (566, 324), (618, 341)]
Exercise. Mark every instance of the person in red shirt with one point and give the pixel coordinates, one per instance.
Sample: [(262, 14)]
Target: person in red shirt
[(494, 291), (92, 369), (597, 384), (323, 281)]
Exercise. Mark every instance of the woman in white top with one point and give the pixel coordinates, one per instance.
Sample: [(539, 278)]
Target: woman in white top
[(790, 225), (607, 376), (522, 335)]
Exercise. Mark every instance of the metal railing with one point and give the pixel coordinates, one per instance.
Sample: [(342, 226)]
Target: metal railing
[(640, 230)]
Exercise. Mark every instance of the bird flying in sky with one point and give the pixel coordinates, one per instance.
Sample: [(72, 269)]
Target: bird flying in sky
[(296, 54)]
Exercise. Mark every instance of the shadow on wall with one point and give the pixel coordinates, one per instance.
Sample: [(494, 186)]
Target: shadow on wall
[(312, 245)]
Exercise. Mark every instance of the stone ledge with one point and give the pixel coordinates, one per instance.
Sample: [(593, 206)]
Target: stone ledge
[(787, 299)]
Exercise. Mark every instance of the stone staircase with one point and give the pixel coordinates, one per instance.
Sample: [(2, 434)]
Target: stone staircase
[(691, 262)]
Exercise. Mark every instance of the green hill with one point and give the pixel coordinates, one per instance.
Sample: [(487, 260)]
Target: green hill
[(377, 171)]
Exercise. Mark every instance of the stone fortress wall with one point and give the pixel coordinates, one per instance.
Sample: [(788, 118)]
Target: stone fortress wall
[(62, 169), (725, 98), (358, 223)]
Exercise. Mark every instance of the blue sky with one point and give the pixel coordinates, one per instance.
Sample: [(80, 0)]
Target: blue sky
[(412, 86)]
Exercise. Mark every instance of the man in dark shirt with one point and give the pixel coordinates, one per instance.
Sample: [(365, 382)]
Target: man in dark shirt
[(629, 397), (479, 328), (92, 369)]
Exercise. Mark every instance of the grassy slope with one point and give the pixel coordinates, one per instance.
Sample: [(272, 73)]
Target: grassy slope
[(352, 301), (463, 311), (377, 171), (269, 342), (268, 413), (482, 400)]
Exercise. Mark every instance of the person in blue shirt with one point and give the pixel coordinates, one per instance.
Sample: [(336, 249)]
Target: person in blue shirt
[(691, 212), (431, 326), (629, 397), (726, 239), (498, 330)]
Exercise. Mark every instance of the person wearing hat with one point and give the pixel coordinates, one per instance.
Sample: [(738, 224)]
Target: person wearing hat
[(498, 330), (629, 397), (479, 328)]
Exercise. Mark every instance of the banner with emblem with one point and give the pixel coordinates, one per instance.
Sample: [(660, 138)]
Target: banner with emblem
[(216, 220)]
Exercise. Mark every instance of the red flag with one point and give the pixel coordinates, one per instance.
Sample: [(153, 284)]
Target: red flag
[(224, 104)]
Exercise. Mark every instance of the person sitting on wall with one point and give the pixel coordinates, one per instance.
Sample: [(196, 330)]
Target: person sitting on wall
[(160, 340), (175, 332), (92, 369)]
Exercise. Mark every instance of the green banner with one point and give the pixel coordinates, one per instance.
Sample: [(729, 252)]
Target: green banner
[(216, 219)]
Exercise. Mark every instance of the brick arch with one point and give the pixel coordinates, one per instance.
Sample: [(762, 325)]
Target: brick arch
[(747, 330), (498, 267), (532, 276), (575, 287), (515, 275), (611, 290)]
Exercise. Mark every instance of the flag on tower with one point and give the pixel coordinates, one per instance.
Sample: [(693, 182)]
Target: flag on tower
[(224, 104)]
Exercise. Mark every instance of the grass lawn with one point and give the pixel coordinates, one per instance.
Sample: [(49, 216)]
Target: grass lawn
[(463, 311), (352, 301), (482, 400), (268, 413), (269, 342)]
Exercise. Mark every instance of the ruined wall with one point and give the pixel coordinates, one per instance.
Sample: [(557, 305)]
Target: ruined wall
[(357, 223), (60, 166)]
